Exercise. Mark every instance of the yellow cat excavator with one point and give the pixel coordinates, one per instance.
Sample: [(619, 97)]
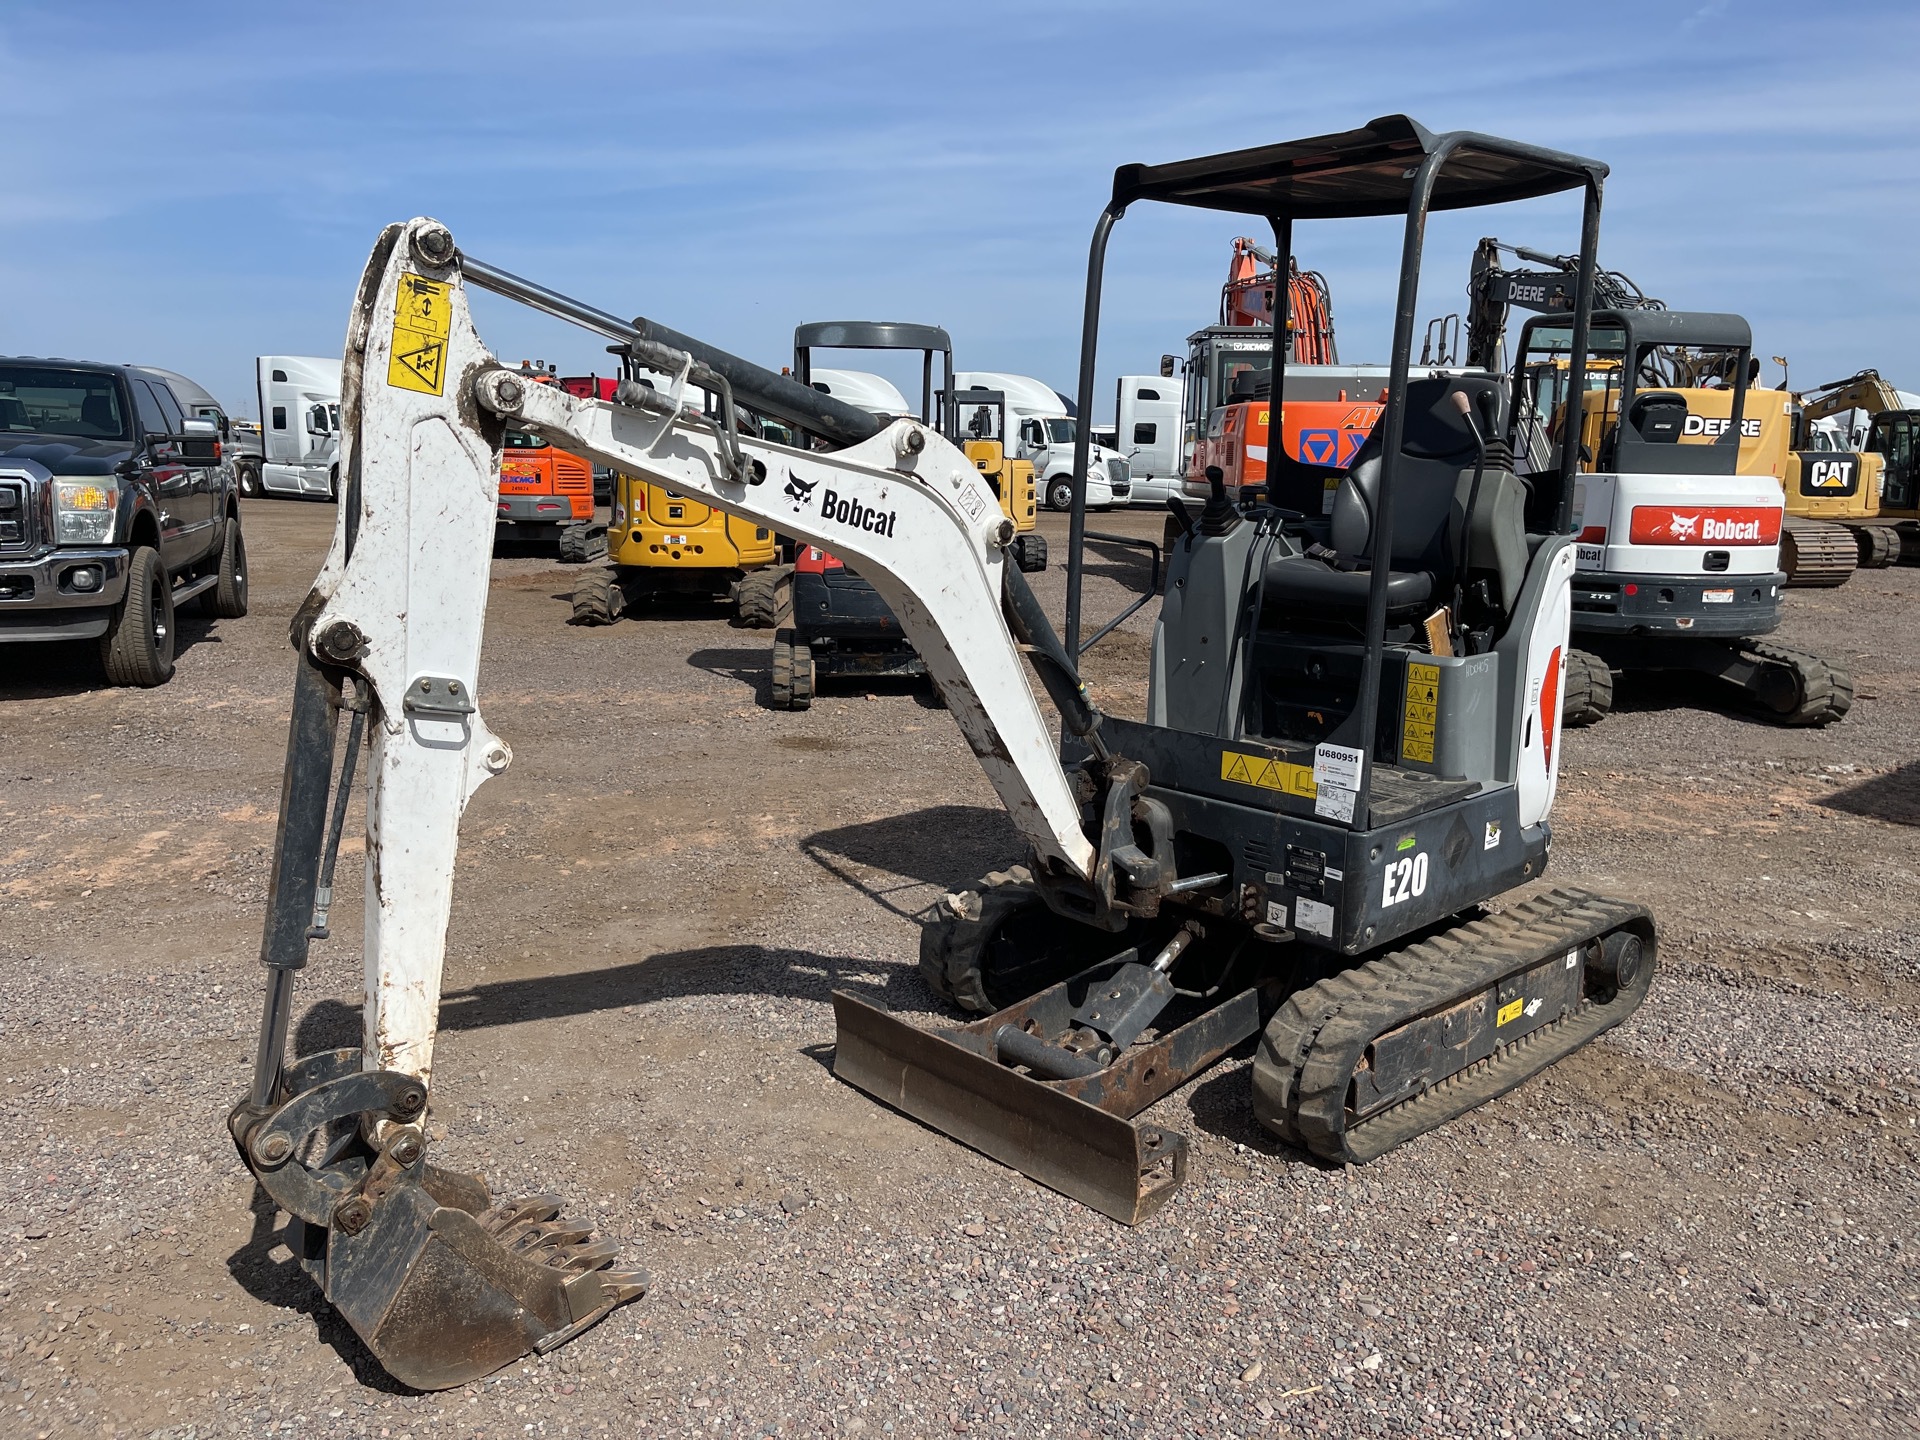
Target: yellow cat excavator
[(1833, 484)]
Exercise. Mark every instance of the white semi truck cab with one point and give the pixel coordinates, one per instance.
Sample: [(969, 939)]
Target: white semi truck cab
[(1044, 433), (299, 425)]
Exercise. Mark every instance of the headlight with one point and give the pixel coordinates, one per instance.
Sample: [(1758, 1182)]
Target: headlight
[(82, 512)]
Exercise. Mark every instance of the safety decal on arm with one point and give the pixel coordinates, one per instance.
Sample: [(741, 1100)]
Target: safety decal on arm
[(422, 320)]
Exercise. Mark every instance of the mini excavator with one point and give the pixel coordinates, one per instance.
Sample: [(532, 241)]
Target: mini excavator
[(1350, 748)]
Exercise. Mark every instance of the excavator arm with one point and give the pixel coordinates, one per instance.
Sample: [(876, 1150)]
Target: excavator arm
[(442, 1283), (1864, 390)]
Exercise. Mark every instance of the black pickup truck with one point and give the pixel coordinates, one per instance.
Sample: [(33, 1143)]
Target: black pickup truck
[(116, 506)]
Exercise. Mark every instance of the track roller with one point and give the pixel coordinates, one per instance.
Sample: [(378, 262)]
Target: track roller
[(1367, 1060), (1817, 554)]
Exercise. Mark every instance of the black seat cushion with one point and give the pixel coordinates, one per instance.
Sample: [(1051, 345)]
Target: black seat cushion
[(1297, 582)]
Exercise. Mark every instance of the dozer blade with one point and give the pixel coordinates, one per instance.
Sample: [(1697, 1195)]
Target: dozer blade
[(1077, 1136), (442, 1284)]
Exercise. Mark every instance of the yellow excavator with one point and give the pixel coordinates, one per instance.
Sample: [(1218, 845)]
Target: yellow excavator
[(1830, 484)]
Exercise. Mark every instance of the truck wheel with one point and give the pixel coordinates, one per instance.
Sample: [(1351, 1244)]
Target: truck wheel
[(792, 672), (1060, 493), (248, 480), (228, 599), (333, 486), (138, 646)]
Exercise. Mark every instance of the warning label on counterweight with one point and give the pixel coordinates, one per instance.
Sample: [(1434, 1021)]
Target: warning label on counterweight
[(1258, 770), (1422, 713)]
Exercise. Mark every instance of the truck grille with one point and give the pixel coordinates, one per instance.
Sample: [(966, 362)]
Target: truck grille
[(14, 530), (1120, 476)]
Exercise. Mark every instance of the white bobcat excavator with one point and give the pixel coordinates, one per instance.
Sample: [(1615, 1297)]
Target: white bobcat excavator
[(1350, 746)]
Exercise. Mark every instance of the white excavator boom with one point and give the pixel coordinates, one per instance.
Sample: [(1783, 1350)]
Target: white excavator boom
[(406, 581), (442, 1282)]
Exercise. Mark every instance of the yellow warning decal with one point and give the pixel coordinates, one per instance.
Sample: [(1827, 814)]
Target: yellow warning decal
[(1510, 1012), (422, 321), (1265, 774), (1422, 714)]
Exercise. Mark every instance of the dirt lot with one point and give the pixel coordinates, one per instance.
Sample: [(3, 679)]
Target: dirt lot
[(1704, 1225)]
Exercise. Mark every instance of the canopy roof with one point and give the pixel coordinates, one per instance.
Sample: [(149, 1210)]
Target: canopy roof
[(870, 335), (1369, 171)]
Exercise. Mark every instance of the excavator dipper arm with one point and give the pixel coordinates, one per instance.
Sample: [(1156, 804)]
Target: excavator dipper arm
[(443, 1284)]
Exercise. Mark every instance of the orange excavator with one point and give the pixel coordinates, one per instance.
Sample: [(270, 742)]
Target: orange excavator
[(547, 493), (1247, 299), (1329, 408)]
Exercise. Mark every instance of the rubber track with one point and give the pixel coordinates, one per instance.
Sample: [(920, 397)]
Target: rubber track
[(1588, 696), (952, 947), (597, 598), (764, 598), (1816, 554), (583, 544), (1308, 1054), (1879, 546), (1826, 690)]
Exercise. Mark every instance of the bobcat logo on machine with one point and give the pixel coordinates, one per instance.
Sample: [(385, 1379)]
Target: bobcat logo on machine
[(1705, 525), (800, 491)]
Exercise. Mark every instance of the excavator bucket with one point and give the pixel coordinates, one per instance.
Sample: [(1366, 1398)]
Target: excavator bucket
[(442, 1284), (1076, 1135)]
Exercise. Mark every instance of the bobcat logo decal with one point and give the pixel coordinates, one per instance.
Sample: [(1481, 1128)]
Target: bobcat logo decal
[(1681, 527), (800, 491)]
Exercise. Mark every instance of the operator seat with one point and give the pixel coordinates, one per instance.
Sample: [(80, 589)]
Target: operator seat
[(1436, 447)]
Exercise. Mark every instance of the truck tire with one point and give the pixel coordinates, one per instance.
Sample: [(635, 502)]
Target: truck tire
[(333, 486), (228, 599), (1588, 695), (1060, 493), (792, 687), (247, 477), (138, 646), (764, 597)]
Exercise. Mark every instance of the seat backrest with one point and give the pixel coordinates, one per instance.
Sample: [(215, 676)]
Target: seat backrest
[(1659, 416), (97, 411), (1435, 447)]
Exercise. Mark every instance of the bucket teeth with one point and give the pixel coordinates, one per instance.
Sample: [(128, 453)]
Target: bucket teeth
[(535, 1229), (582, 1258)]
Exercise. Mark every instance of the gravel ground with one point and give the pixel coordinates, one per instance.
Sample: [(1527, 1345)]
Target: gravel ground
[(1702, 1225)]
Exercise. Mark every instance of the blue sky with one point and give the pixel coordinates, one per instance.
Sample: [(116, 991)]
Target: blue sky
[(190, 185)]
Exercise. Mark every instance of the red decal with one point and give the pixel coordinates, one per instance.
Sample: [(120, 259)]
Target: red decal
[(1550, 705), (1705, 525)]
